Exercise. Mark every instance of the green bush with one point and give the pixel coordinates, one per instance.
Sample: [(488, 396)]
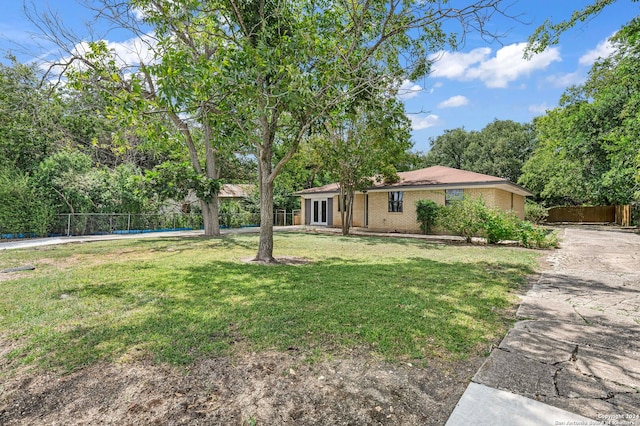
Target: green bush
[(22, 211), (470, 217), (464, 217), (532, 236), (427, 214), (499, 225), (535, 213)]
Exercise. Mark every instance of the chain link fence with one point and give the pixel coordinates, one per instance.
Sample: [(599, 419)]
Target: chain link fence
[(123, 223)]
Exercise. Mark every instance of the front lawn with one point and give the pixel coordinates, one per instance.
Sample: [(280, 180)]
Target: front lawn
[(176, 300)]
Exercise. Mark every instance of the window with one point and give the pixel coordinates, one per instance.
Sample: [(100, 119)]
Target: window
[(395, 201), (453, 195)]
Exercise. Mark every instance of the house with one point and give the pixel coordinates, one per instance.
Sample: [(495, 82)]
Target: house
[(391, 207), (235, 192)]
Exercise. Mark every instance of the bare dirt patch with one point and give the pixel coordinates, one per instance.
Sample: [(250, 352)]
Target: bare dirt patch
[(264, 388)]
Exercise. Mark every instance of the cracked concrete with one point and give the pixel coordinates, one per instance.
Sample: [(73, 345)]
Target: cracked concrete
[(577, 344)]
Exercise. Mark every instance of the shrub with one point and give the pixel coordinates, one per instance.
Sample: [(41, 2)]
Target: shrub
[(532, 236), (22, 211), (464, 217), (500, 225), (534, 212), (427, 214)]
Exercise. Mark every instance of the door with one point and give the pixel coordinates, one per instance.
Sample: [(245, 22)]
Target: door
[(319, 216)]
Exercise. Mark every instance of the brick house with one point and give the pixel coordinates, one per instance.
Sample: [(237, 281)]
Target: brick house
[(391, 208)]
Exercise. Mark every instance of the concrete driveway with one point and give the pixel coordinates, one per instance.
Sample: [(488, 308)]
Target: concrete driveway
[(576, 345)]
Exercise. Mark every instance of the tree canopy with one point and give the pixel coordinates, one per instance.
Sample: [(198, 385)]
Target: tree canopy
[(589, 146)]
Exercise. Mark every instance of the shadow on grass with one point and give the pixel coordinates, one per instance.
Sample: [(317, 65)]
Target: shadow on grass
[(410, 309)]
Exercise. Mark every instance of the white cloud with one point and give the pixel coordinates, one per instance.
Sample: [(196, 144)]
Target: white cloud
[(498, 71), (408, 90), (602, 50), (561, 81), (454, 65), (454, 101), (538, 109), (424, 122)]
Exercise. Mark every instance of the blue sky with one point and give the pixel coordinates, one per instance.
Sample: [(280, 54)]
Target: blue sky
[(469, 88)]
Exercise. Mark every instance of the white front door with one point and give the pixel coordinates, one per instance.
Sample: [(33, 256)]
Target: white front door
[(319, 212)]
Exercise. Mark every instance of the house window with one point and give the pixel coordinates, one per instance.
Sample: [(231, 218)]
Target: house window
[(451, 195), (395, 201)]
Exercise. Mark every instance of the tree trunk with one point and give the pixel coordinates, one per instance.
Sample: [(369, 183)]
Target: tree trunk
[(265, 247), (210, 217)]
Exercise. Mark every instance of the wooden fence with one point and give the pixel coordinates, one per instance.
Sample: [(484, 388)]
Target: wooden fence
[(620, 215)]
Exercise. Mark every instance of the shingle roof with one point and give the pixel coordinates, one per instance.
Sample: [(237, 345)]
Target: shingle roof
[(230, 190), (435, 175)]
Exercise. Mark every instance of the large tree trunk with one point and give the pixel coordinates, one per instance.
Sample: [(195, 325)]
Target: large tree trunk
[(210, 217), (265, 247)]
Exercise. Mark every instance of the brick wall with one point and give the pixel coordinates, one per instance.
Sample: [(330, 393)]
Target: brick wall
[(381, 219)]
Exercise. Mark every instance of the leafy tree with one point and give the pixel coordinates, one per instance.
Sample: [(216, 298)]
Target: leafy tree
[(262, 74), (499, 149), (361, 144), (29, 116), (588, 145), (450, 149)]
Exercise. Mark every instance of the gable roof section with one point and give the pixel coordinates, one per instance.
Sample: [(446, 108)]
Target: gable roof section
[(230, 190), (436, 177)]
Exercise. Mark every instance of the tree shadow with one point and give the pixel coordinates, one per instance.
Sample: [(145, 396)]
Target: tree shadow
[(411, 309)]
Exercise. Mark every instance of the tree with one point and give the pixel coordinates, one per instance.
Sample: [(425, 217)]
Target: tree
[(450, 149), (499, 149), (361, 145), (589, 144), (29, 117), (264, 73), (549, 33)]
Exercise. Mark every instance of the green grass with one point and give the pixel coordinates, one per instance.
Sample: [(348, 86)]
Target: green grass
[(176, 300)]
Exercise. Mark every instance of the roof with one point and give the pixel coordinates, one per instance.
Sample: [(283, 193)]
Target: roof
[(230, 190), (435, 177)]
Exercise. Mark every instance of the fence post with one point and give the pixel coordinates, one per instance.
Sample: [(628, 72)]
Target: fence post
[(129, 222), (68, 224)]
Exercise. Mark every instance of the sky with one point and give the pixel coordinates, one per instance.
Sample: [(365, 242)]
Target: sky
[(469, 88)]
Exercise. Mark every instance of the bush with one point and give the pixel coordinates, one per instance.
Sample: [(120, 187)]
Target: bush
[(500, 225), (427, 214), (470, 216), (534, 212), (22, 211), (532, 236), (464, 217)]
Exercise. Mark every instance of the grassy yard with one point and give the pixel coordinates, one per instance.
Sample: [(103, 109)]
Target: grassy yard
[(179, 299)]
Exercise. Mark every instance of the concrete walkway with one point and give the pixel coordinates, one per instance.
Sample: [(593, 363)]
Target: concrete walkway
[(574, 356)]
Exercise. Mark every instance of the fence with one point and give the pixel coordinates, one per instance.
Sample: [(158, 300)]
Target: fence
[(597, 214), (123, 223), (286, 217)]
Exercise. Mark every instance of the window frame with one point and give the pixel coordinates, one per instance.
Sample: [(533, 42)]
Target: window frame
[(395, 204), (449, 196)]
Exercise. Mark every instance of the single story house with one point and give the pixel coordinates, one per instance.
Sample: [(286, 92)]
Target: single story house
[(391, 207)]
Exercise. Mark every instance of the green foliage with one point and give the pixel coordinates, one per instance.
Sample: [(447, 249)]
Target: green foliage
[(499, 225), (470, 217), (71, 184), (534, 212), (532, 236), (427, 214), (588, 146), (22, 210), (464, 217), (499, 149), (29, 117)]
